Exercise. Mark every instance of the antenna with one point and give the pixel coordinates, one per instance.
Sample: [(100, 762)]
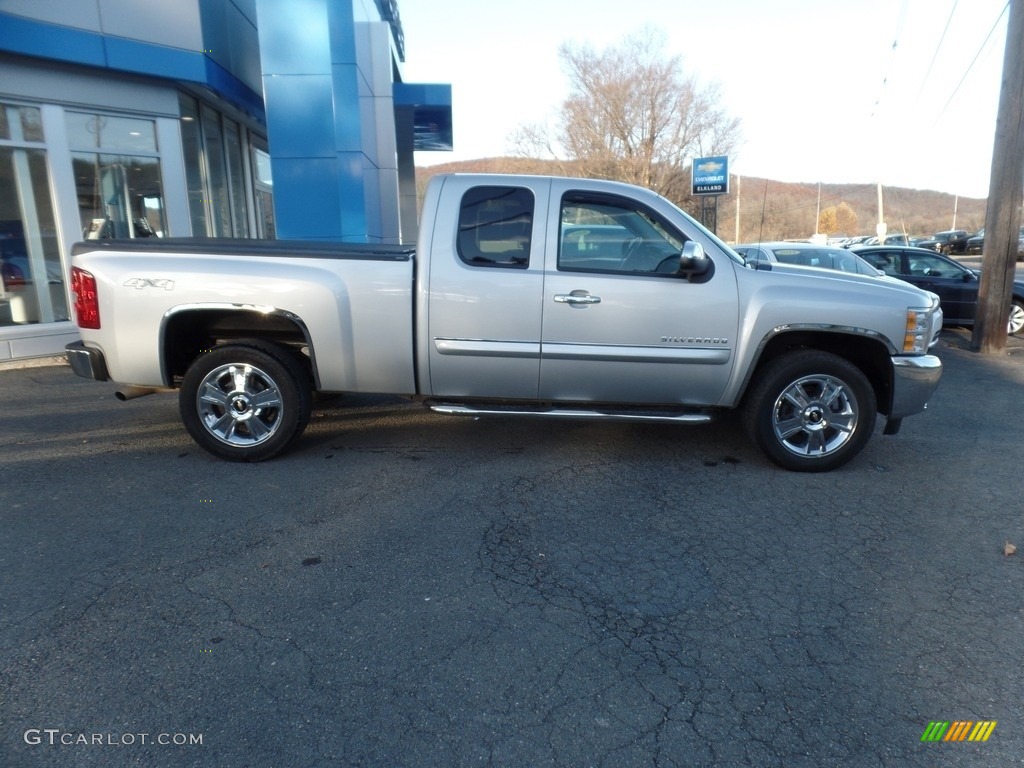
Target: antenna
[(764, 207)]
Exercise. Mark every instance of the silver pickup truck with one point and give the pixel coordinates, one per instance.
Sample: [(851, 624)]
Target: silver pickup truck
[(537, 296)]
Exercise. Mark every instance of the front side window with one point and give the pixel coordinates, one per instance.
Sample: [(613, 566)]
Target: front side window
[(607, 234), (495, 227), (925, 265)]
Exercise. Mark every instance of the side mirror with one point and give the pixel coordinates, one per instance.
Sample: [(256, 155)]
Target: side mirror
[(693, 262)]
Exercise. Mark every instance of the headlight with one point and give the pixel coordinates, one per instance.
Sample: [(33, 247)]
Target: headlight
[(918, 334)]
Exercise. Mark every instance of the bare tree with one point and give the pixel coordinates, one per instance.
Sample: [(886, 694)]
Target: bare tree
[(633, 114)]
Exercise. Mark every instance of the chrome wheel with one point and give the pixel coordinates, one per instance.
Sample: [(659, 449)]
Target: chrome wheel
[(239, 404), (810, 410), (1016, 323), (815, 415), (245, 401)]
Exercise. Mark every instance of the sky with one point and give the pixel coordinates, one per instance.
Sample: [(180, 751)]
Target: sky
[(901, 92)]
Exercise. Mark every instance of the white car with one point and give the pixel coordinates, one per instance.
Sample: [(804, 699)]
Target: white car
[(805, 254)]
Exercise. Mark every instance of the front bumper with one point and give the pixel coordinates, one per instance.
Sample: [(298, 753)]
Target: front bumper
[(86, 361), (914, 380)]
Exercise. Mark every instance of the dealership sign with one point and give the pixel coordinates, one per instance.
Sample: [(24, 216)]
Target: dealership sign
[(711, 176)]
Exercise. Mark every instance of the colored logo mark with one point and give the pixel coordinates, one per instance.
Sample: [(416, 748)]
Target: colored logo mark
[(958, 730)]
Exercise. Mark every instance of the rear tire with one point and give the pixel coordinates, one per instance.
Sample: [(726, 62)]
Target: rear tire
[(811, 411), (246, 401)]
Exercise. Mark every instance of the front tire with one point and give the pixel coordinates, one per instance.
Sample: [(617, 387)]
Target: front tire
[(811, 411), (1016, 322), (245, 402)]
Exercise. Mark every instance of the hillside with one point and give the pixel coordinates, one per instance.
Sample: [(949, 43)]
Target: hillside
[(774, 210)]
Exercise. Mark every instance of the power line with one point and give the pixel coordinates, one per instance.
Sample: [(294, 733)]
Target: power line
[(936, 54), (973, 61), (892, 55)]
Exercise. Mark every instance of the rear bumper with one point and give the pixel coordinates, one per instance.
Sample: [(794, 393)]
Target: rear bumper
[(86, 361), (913, 382)]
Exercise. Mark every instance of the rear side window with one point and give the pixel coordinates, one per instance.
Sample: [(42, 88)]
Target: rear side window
[(887, 261), (495, 227)]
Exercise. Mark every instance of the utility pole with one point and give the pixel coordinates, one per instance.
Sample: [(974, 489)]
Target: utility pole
[(1005, 191), (737, 209), (817, 212), (880, 228)]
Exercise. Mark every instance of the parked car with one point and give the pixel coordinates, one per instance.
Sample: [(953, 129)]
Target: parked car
[(955, 284), (976, 243), (950, 241), (899, 239), (805, 254), (858, 240)]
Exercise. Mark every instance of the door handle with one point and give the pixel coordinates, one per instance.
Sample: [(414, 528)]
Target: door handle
[(577, 297)]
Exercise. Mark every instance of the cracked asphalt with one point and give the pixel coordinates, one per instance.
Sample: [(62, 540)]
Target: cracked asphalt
[(407, 589)]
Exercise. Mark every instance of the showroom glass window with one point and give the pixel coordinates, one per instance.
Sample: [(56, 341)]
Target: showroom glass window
[(116, 163), (215, 159), (263, 189), (31, 276)]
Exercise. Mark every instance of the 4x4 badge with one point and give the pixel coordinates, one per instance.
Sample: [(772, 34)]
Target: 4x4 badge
[(149, 282)]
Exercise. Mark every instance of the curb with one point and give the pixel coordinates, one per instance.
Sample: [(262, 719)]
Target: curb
[(33, 362)]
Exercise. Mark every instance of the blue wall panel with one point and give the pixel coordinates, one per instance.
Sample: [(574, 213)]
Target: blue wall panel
[(311, 199), (76, 46), (342, 28), (348, 129), (300, 115), (352, 196), (235, 91), (311, 92), (148, 59), (34, 38), (294, 37)]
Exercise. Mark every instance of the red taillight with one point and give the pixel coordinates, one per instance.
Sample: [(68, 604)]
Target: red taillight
[(87, 303)]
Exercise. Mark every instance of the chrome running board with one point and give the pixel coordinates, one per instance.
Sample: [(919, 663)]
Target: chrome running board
[(651, 416)]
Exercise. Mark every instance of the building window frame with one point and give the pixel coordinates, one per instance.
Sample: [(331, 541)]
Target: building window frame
[(114, 169), (225, 191), (33, 288)]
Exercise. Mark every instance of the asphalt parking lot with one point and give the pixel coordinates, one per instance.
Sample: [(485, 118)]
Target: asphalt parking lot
[(407, 589)]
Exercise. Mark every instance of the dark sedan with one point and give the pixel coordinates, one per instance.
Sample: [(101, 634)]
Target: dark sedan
[(955, 284), (976, 244)]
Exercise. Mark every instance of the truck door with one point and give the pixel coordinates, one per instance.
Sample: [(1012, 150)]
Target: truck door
[(619, 324), (485, 288)]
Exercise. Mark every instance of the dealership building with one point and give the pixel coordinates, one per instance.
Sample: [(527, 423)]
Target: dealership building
[(210, 118)]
